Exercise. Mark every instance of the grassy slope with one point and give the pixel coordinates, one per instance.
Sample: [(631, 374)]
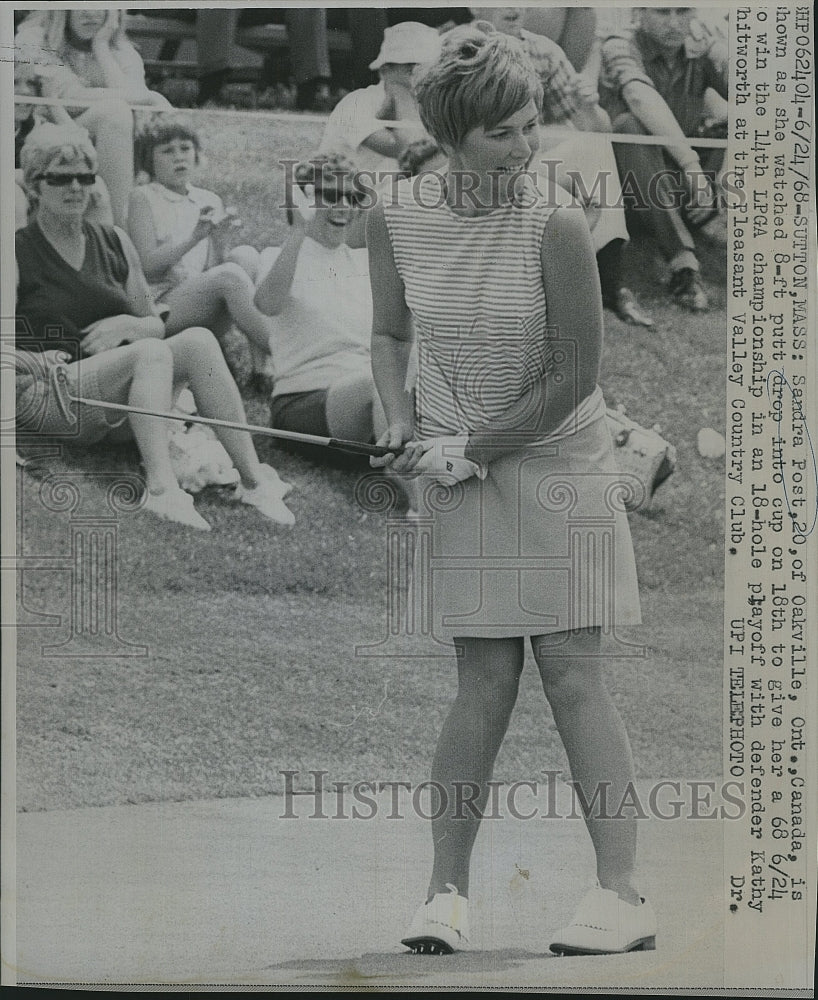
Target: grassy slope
[(251, 629)]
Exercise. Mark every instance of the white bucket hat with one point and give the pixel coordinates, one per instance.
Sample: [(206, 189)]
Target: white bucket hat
[(408, 42)]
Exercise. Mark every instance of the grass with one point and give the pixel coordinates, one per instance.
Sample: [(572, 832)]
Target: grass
[(251, 630)]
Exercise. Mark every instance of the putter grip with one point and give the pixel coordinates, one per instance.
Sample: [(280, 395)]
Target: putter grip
[(359, 448)]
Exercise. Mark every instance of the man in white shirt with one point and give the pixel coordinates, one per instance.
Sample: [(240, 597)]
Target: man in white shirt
[(354, 127)]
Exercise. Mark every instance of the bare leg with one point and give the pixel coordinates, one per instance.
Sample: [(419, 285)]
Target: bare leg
[(110, 125), (198, 300), (198, 360), (140, 374), (488, 676), (247, 258), (354, 408), (355, 413), (597, 745)]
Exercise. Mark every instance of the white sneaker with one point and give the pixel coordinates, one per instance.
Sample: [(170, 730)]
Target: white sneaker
[(604, 924), (276, 481), (440, 926), (266, 498), (175, 505)]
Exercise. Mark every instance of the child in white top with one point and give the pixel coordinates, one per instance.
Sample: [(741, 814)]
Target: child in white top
[(180, 232)]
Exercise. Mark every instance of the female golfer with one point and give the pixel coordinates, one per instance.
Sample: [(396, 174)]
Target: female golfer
[(500, 287)]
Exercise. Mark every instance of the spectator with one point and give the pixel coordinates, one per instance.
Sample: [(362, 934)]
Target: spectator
[(571, 101), (84, 280), (572, 28), (353, 128), (180, 233), (309, 51), (26, 118), (567, 97), (317, 293), (368, 24), (652, 85), (86, 55)]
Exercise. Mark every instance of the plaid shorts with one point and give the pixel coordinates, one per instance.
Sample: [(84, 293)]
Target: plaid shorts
[(39, 409)]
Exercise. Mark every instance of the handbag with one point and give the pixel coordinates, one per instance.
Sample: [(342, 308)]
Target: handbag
[(642, 454)]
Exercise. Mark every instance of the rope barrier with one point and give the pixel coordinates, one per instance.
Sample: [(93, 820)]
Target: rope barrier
[(700, 142)]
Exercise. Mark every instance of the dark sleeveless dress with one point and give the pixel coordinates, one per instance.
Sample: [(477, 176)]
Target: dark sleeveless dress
[(55, 302)]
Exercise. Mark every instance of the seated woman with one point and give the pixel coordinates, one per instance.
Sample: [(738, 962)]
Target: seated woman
[(318, 293), (84, 281), (86, 55), (180, 234)]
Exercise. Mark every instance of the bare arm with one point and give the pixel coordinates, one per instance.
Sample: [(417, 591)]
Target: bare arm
[(391, 337), (129, 79), (653, 112), (274, 291), (139, 293), (142, 323), (572, 292), (157, 259)]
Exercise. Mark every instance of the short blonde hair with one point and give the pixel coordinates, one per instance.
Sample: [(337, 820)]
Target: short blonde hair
[(50, 145), (482, 77)]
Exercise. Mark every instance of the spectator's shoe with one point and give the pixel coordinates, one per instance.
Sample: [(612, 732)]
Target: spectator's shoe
[(440, 926), (604, 924), (175, 505), (266, 498), (688, 291), (276, 482), (626, 307)]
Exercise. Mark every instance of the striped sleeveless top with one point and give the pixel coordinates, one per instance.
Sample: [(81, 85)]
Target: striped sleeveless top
[(474, 288)]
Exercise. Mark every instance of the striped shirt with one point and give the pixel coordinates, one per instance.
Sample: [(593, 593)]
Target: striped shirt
[(475, 290)]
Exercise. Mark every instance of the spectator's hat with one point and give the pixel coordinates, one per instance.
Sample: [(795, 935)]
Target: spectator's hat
[(408, 42)]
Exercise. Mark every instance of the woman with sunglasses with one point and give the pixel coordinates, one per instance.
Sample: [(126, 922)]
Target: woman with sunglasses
[(318, 297), (497, 284), (83, 300)]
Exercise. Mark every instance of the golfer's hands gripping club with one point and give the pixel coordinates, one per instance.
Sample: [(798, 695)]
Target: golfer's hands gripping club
[(440, 458), (407, 452), (444, 458)]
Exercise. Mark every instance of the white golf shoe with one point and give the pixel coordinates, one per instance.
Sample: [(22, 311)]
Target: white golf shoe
[(604, 924), (440, 926)]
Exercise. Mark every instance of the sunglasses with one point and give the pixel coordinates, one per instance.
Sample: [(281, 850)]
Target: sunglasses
[(63, 180), (330, 196)]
